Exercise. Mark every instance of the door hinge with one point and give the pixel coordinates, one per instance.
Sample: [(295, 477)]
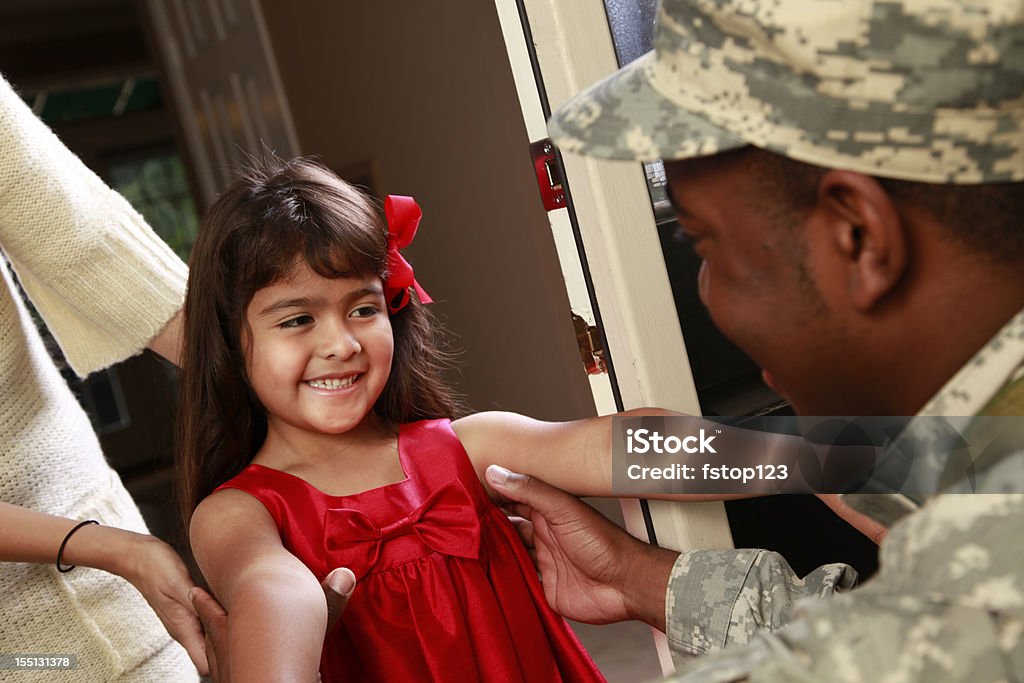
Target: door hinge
[(591, 347)]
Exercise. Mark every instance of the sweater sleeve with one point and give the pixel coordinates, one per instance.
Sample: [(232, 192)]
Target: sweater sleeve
[(103, 281)]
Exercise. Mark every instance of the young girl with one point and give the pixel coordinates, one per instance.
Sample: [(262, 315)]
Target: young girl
[(316, 433)]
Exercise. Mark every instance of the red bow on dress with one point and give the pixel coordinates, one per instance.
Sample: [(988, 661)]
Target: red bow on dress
[(403, 215), (446, 522)]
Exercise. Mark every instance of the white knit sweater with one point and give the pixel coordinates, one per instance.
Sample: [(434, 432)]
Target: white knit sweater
[(105, 284)]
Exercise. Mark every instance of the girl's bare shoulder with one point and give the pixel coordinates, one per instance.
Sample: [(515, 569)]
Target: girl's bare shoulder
[(225, 513)]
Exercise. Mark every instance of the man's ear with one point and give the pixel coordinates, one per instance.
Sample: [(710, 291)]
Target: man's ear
[(868, 233)]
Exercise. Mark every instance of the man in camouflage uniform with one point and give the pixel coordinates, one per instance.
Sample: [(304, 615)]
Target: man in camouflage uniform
[(850, 172)]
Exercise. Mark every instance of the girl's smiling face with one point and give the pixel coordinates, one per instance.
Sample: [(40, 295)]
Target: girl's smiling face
[(318, 351)]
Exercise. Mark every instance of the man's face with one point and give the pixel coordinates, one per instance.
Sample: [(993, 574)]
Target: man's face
[(758, 279)]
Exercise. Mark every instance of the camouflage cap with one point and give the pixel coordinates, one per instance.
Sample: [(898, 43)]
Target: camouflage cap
[(928, 90)]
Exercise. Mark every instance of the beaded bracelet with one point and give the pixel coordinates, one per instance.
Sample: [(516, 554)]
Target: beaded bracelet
[(60, 553)]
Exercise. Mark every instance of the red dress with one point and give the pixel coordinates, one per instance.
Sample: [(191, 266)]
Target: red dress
[(446, 590)]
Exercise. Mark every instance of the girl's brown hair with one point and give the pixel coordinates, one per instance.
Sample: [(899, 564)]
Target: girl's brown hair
[(277, 214)]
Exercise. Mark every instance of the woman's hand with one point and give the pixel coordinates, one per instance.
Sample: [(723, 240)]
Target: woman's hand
[(155, 569), (146, 562)]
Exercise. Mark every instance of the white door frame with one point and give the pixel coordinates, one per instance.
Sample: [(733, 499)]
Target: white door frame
[(629, 280)]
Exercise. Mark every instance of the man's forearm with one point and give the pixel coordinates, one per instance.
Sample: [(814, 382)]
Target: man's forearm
[(645, 582), (720, 598)]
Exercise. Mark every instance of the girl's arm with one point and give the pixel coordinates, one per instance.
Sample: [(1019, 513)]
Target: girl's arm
[(277, 610), (574, 456)]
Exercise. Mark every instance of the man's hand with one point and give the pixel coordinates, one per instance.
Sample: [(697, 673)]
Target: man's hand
[(591, 570), (338, 587)]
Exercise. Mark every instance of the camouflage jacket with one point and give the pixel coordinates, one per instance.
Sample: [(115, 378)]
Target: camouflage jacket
[(946, 605)]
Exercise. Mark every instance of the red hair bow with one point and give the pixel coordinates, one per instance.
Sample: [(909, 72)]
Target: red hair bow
[(403, 215)]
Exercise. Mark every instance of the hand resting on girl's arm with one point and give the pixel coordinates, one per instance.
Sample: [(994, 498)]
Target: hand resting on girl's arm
[(278, 609)]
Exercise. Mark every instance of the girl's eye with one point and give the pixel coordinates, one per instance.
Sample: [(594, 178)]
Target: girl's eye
[(365, 311), (297, 321)]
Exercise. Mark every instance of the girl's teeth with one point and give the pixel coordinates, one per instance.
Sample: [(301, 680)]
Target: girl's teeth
[(333, 383)]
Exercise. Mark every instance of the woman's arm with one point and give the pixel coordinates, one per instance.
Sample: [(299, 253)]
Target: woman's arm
[(167, 341), (146, 562), (277, 607)]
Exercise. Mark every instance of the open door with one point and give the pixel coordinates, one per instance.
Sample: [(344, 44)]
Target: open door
[(609, 245)]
